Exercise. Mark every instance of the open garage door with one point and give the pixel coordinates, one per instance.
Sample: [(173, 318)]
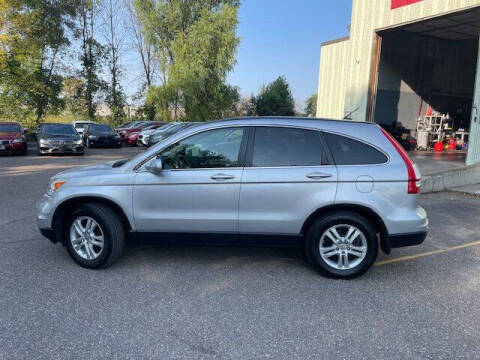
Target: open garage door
[(429, 68)]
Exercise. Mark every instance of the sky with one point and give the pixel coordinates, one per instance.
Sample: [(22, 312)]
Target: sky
[(283, 37), (277, 37)]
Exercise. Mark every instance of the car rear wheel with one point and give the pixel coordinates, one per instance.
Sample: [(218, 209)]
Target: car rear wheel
[(94, 236), (342, 245)]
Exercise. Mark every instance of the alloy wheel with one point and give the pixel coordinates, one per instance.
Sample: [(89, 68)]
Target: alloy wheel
[(87, 238), (343, 246)]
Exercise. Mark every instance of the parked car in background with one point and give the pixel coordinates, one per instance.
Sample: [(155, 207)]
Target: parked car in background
[(137, 127), (339, 189), (162, 135), (101, 135), (54, 138), (132, 138), (144, 135), (12, 139), (81, 125), (124, 125)]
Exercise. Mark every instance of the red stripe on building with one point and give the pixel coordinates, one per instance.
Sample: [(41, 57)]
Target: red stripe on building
[(400, 3)]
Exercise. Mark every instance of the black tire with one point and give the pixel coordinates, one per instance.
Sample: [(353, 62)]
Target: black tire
[(321, 225), (113, 230)]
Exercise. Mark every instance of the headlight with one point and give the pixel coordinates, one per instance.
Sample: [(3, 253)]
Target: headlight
[(79, 142), (117, 136), (18, 140), (53, 185), (92, 137), (44, 141)]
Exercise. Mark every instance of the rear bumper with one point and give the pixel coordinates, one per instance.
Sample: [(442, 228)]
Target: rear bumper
[(404, 240)]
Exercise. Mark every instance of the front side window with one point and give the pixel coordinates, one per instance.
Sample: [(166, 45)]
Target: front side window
[(217, 148), (275, 147), (346, 151)]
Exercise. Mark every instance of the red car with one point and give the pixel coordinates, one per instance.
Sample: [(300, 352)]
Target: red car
[(12, 139), (132, 138), (137, 128)]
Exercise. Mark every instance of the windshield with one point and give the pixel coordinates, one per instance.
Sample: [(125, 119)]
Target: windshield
[(124, 125), (58, 129), (100, 128), (145, 125), (10, 128), (81, 125), (152, 127), (132, 125)]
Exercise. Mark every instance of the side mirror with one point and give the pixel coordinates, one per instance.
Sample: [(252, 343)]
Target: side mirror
[(155, 166)]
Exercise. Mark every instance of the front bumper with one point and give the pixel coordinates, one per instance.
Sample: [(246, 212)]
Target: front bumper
[(49, 234), (60, 149), (105, 142), (12, 148)]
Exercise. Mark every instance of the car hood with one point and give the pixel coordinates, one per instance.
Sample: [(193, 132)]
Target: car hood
[(9, 135), (59, 137), (109, 134), (88, 170)]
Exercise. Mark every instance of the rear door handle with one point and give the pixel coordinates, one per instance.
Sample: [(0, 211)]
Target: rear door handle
[(220, 177), (317, 175)]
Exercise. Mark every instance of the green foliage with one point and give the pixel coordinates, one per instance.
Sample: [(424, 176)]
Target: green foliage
[(33, 37), (311, 106), (275, 99), (195, 42), (92, 56)]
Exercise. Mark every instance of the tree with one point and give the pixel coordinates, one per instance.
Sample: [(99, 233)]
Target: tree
[(275, 99), (311, 106), (115, 43), (195, 43), (92, 55), (33, 40), (144, 49), (72, 95)]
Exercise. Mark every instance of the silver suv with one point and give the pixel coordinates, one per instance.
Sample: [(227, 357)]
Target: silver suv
[(339, 189)]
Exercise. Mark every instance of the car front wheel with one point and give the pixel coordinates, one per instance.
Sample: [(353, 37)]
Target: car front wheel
[(94, 236), (342, 245)]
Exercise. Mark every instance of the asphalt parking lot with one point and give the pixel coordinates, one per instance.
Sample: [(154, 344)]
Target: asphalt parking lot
[(180, 302)]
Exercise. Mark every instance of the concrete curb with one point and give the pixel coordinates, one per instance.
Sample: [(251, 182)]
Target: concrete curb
[(446, 180)]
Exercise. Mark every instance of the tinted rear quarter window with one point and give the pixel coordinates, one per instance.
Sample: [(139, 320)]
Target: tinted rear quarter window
[(347, 151), (276, 146)]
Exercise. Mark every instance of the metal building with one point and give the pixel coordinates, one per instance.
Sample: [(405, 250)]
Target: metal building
[(403, 58)]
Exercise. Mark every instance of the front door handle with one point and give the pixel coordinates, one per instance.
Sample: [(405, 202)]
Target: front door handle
[(220, 177), (317, 175)]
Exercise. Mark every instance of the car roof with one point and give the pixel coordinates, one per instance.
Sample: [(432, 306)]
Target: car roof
[(289, 119), (54, 123)]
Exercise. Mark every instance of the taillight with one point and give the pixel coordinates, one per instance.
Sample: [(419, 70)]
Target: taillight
[(413, 178)]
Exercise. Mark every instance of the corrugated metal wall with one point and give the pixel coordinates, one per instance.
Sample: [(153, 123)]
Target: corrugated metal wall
[(332, 80), (367, 17), (370, 15), (473, 156)]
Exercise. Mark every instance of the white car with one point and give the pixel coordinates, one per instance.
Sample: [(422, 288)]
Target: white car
[(81, 125)]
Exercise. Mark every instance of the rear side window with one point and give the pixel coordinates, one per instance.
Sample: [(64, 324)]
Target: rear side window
[(287, 147), (347, 151)]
